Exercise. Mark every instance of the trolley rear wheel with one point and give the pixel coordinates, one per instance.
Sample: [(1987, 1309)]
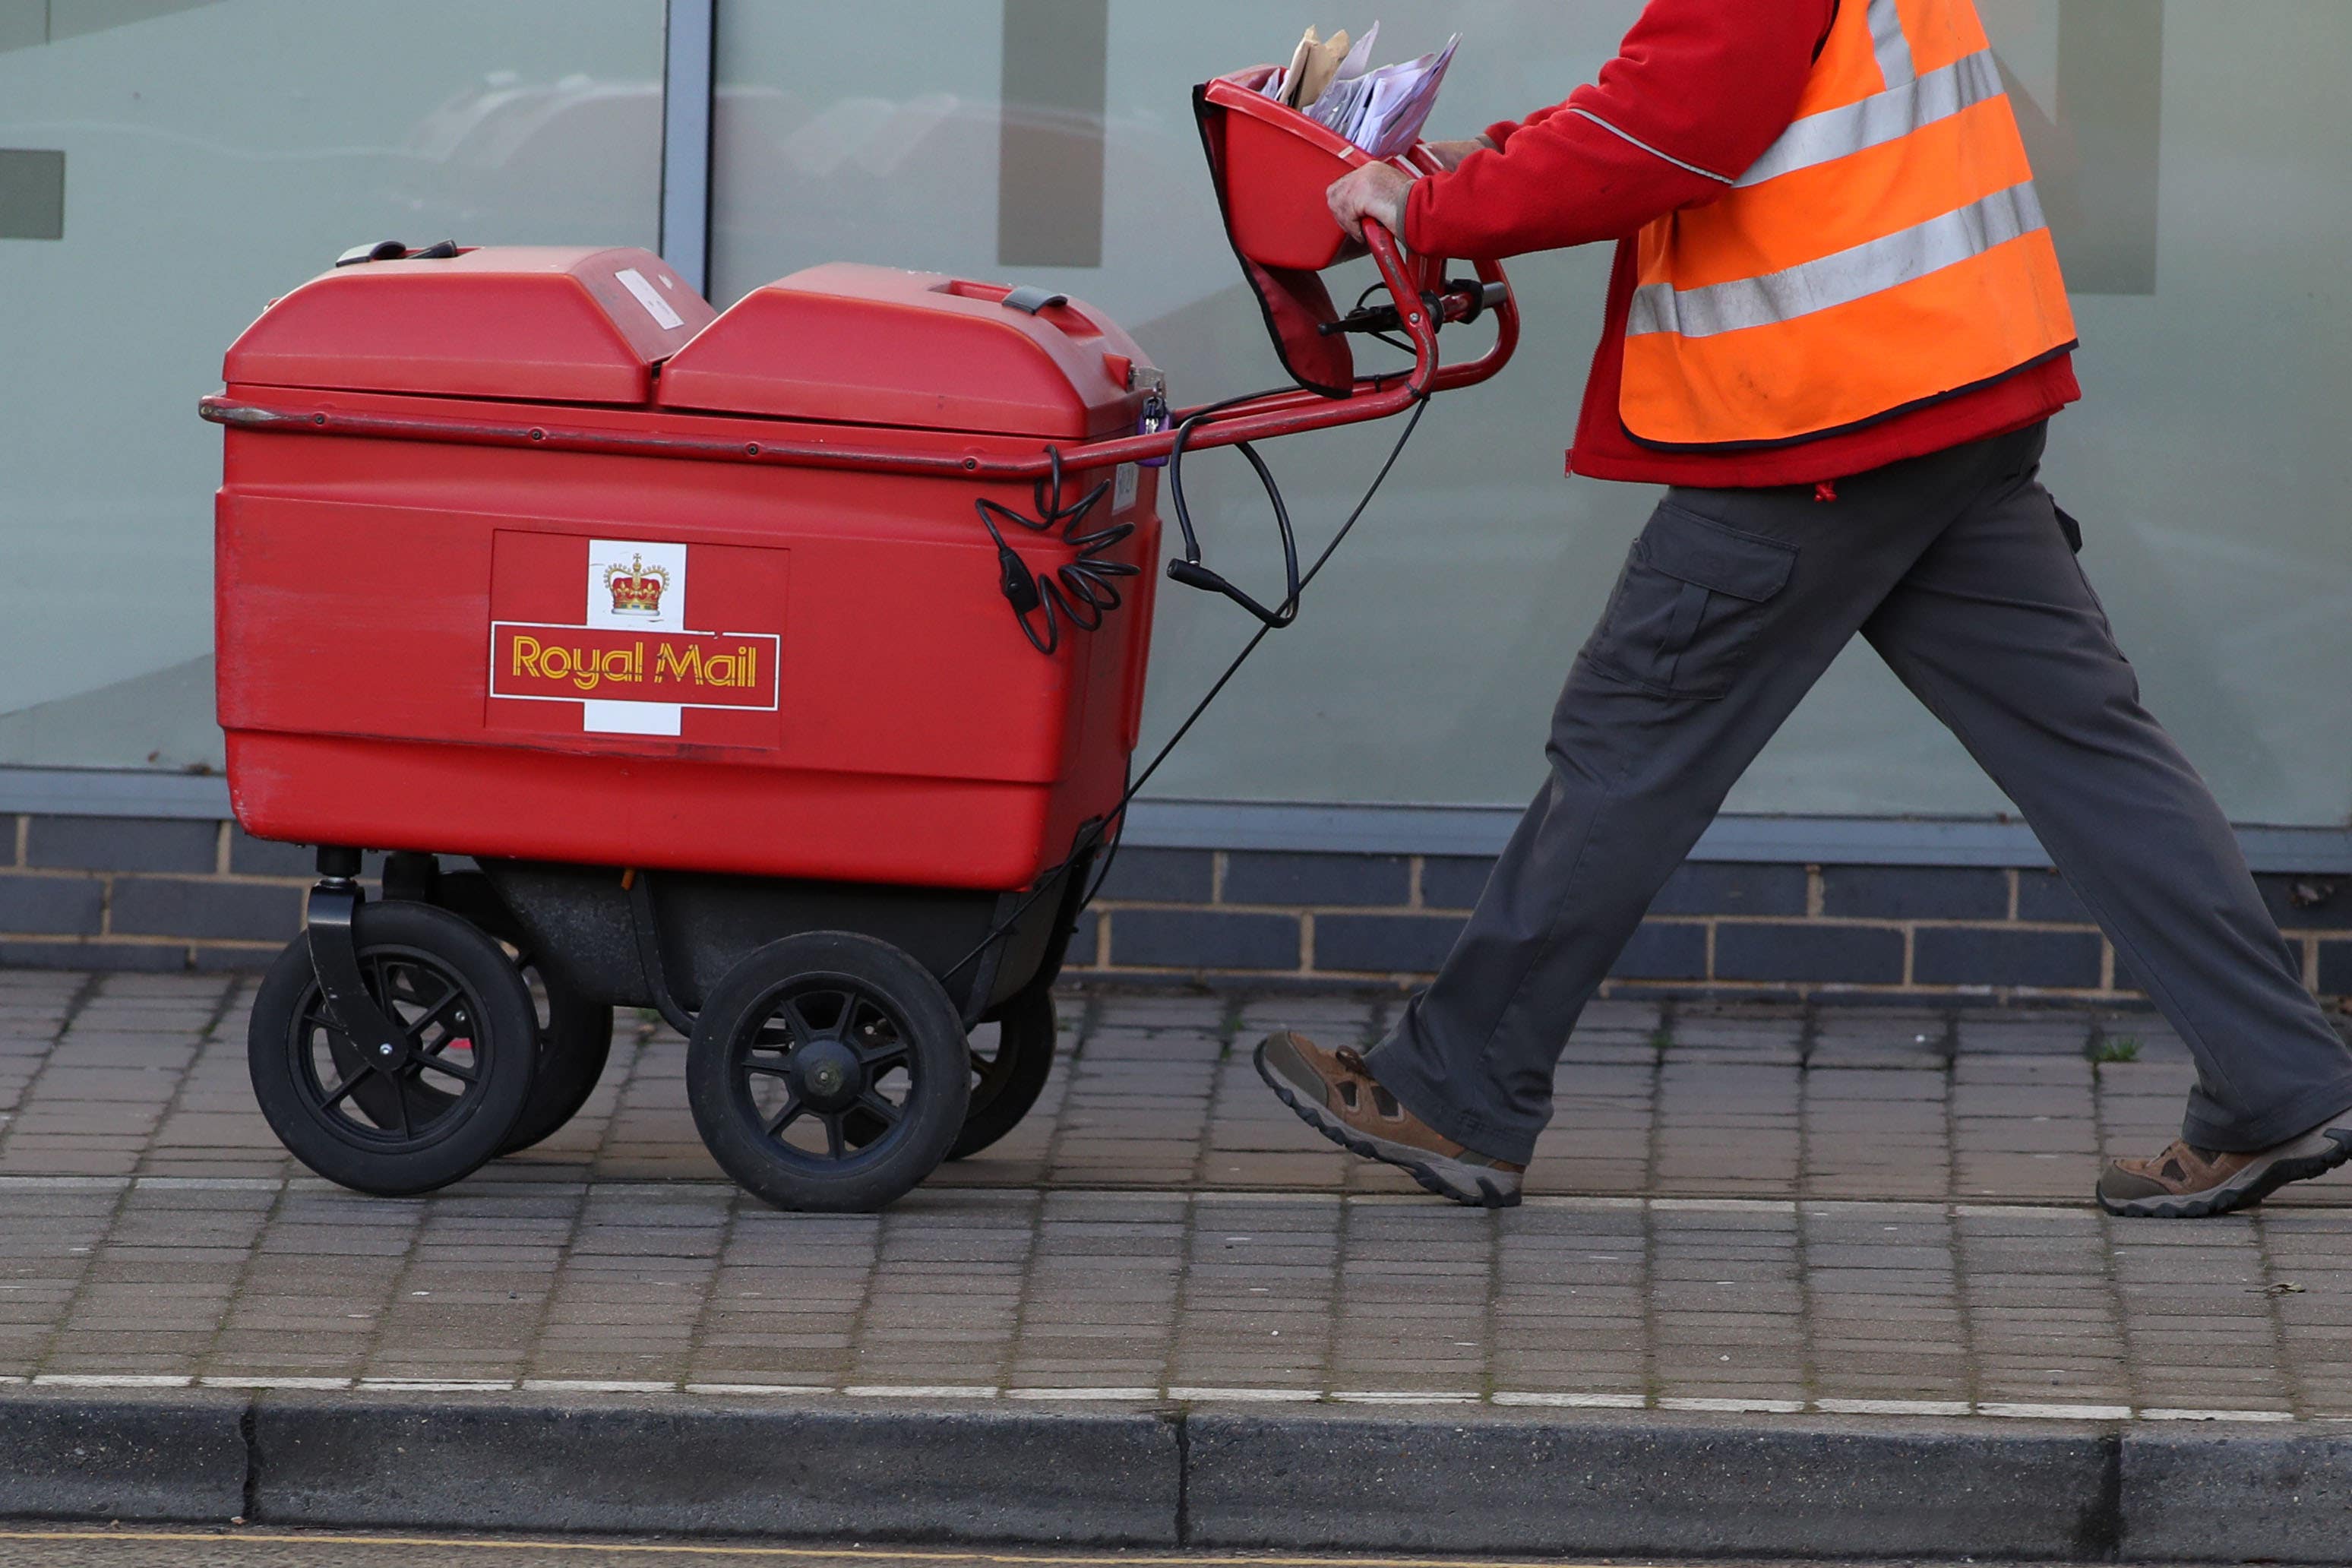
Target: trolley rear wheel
[(805, 1036), (576, 1035), (430, 1113), (1010, 1058), (1008, 1074)]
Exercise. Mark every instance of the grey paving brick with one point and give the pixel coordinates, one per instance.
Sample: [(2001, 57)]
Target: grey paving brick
[(187, 907), (224, 958), (122, 844), (1255, 877), (1915, 892), (1774, 1267), (1383, 944), (65, 906), (1853, 954), (1203, 938), (1979, 956), (1160, 876), (71, 954), (1663, 950), (1453, 881), (2308, 901), (1720, 887), (2043, 895), (251, 856)]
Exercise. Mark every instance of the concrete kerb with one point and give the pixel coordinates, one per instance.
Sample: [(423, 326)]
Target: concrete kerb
[(1299, 1478), (2214, 1494), (709, 1465), (86, 1456), (1632, 1485)]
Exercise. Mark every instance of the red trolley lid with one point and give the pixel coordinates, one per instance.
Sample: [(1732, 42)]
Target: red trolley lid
[(874, 345), (550, 323)]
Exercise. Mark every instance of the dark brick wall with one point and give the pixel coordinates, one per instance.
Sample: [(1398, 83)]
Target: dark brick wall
[(1747, 929), (114, 892), (146, 893)]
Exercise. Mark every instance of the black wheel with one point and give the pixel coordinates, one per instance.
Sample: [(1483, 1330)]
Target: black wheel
[(576, 1035), (1009, 1072), (446, 1105), (809, 1033)]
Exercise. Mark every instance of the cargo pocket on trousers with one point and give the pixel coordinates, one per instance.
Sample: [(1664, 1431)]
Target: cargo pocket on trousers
[(1688, 605)]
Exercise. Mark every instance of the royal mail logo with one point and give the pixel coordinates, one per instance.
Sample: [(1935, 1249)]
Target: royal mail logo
[(630, 665), (689, 670), (637, 588)]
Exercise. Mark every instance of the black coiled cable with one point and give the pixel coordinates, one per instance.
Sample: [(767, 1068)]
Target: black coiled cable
[(1082, 590)]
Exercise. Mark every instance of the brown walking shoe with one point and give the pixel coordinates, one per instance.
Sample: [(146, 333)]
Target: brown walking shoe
[(2188, 1182), (1334, 1094)]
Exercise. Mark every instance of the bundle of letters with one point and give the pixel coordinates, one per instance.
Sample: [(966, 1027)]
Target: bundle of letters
[(1381, 110)]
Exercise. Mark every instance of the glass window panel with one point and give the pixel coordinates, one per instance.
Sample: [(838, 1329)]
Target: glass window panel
[(2201, 225), (217, 153)]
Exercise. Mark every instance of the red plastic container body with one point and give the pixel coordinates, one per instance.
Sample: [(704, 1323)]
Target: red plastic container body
[(1278, 164), (635, 659)]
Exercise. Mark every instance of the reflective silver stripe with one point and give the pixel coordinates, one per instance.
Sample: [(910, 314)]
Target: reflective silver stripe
[(1839, 279), (1888, 42), (1879, 119), (1652, 151)]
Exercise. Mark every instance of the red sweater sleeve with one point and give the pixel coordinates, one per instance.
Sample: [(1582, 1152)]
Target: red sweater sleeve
[(1699, 90)]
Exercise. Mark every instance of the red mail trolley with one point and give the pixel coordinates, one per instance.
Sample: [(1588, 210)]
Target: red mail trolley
[(777, 668)]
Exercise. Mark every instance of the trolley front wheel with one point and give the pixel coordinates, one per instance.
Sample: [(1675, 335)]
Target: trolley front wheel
[(811, 1039), (402, 1117)]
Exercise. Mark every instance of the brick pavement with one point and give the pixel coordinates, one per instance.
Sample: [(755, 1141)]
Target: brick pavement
[(1763, 1209)]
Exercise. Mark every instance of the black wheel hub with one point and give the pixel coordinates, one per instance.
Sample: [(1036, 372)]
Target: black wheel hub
[(402, 1089), (830, 1075), (831, 1046)]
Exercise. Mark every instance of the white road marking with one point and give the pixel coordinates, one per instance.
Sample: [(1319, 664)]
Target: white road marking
[(1735, 1406), (1892, 1407)]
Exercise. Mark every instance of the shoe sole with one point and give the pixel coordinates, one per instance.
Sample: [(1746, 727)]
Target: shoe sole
[(2315, 1154), (1479, 1189)]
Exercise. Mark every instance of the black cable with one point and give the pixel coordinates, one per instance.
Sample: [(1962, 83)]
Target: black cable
[(1081, 591), (1087, 844), (1193, 574)]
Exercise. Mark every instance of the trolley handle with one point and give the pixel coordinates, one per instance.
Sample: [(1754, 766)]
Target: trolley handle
[(1295, 410), (1482, 298)]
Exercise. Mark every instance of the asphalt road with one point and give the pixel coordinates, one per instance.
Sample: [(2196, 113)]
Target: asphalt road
[(231, 1548)]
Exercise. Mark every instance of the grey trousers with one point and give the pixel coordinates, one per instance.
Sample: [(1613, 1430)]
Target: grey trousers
[(1731, 605)]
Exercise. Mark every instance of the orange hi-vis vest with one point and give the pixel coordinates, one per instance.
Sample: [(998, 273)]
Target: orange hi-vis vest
[(1886, 253)]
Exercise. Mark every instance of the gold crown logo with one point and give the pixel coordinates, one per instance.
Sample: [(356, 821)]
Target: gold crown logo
[(637, 590)]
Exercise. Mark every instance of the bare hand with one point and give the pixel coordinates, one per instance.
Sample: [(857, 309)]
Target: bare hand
[(1375, 191)]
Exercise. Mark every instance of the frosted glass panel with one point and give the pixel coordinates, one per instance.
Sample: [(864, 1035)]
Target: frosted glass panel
[(214, 155)]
